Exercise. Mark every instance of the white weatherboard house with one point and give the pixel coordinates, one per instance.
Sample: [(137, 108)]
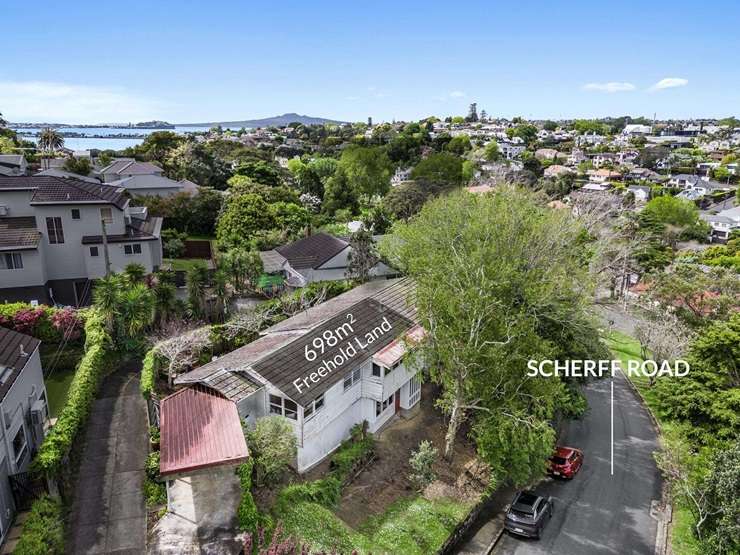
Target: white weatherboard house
[(326, 369)]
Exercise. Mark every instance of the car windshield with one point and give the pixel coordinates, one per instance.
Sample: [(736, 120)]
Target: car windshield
[(558, 460), (522, 513)]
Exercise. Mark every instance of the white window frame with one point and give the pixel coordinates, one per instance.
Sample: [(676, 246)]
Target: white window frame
[(106, 215), (129, 249), (352, 379), (380, 408), (18, 455), (280, 407), (414, 390), (12, 261), (311, 409)]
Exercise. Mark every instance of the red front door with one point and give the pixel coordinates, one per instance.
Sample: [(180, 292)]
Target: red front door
[(398, 400)]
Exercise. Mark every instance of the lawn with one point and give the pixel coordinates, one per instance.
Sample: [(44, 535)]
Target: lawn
[(626, 347), (63, 369), (410, 526), (183, 264)]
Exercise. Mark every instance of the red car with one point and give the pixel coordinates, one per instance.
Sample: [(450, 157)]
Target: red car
[(566, 462)]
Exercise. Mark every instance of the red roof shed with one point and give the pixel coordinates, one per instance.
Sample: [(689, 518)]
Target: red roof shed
[(199, 428)]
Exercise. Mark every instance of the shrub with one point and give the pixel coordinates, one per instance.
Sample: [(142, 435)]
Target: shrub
[(67, 322), (80, 397), (325, 492), (274, 447), (149, 370), (352, 454), (36, 321), (155, 493), (247, 513), (151, 467), (43, 531), (422, 463)]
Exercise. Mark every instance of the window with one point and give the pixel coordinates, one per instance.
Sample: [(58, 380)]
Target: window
[(377, 371), (19, 445), (353, 378), (313, 407), (106, 214), (392, 368), (134, 248), (75, 213), (93, 251), (11, 261), (283, 407), (55, 231), (380, 407), (414, 390)]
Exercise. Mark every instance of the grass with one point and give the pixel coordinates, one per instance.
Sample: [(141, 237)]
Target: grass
[(64, 367), (410, 526), (625, 348), (182, 264)]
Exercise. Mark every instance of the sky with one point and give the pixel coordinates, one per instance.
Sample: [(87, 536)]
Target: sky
[(189, 62)]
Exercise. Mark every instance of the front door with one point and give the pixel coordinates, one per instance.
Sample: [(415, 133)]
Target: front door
[(398, 401)]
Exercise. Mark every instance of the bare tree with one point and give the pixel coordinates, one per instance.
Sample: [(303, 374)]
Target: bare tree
[(662, 336), (180, 345)]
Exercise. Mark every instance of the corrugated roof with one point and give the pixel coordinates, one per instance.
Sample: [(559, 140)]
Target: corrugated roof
[(15, 351), (199, 428), (392, 353)]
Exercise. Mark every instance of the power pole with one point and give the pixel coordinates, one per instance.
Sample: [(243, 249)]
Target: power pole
[(105, 249)]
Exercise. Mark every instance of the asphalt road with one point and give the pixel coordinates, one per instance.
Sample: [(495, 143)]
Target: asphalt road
[(596, 512)]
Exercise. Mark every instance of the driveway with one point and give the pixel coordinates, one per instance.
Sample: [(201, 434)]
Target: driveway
[(596, 512), (108, 514)]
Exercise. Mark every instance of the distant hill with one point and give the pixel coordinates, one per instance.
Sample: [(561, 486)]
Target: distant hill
[(276, 121)]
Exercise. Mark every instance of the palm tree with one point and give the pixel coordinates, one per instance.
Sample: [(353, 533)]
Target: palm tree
[(220, 290), (134, 273), (49, 142), (164, 300), (197, 279), (105, 297), (136, 308)]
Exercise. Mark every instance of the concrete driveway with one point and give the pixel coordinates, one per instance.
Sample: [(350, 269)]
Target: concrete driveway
[(201, 516), (107, 513)]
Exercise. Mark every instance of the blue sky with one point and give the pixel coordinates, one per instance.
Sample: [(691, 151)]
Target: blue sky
[(186, 61)]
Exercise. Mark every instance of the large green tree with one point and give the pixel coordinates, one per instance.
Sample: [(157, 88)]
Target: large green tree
[(444, 170), (367, 169), (491, 297)]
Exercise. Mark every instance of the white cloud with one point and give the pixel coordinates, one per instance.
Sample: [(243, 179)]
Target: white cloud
[(457, 94), (610, 87), (44, 101), (669, 83)]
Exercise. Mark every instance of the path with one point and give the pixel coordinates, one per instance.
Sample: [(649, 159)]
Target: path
[(108, 514)]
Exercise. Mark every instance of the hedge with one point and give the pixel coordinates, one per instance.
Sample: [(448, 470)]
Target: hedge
[(43, 531), (80, 397), (248, 515), (149, 370)]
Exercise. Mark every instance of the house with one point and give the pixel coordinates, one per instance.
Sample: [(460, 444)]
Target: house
[(603, 175), (546, 154), (13, 164), (154, 185), (723, 223), (511, 148), (591, 139), (23, 405), (638, 173), (556, 170), (594, 188), (326, 369), (318, 257), (641, 192), (122, 168), (576, 157), (603, 159), (635, 129), (401, 175), (51, 238)]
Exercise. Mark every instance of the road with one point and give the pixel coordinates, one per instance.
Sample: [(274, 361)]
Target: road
[(596, 512)]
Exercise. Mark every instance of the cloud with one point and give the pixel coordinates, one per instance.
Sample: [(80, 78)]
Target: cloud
[(457, 94), (45, 101), (610, 87), (669, 83)]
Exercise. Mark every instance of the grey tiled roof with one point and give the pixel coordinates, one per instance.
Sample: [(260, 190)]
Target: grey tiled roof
[(232, 385), (61, 190), (312, 251)]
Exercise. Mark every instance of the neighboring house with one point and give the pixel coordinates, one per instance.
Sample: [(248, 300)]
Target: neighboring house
[(556, 170), (510, 149), (58, 172), (723, 223), (400, 176), (603, 175), (122, 168), (23, 406), (13, 164), (154, 185), (683, 180), (604, 158), (51, 242), (641, 192), (707, 187), (326, 369), (318, 257), (546, 154), (594, 188), (639, 173), (632, 129)]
